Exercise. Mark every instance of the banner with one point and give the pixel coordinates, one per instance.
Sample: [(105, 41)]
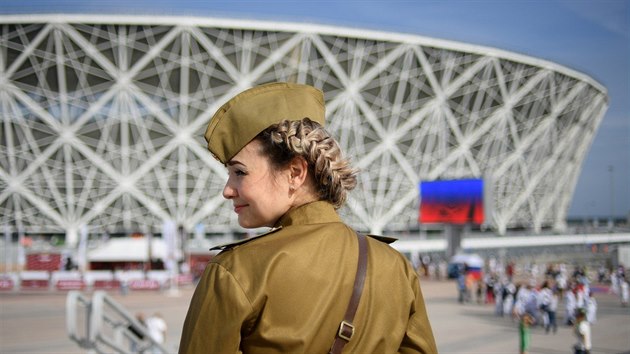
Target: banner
[(452, 201)]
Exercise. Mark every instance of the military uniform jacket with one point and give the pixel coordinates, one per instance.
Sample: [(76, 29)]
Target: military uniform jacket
[(287, 291)]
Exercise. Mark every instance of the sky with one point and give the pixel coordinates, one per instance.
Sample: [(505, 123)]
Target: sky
[(589, 36)]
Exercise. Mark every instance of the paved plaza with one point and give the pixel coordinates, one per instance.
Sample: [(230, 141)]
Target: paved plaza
[(35, 323)]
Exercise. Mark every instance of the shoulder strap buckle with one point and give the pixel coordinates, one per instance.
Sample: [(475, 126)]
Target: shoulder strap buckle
[(346, 331)]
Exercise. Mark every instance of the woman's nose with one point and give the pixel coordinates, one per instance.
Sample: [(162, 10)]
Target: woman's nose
[(228, 191)]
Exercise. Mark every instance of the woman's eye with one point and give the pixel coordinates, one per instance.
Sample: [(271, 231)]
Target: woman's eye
[(237, 171)]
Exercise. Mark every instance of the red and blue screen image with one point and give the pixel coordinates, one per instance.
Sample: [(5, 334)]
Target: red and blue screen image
[(452, 201)]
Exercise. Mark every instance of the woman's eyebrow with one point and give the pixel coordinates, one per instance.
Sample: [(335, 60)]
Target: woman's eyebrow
[(234, 162)]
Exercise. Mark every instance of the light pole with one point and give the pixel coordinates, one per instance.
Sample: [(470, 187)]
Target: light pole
[(612, 197)]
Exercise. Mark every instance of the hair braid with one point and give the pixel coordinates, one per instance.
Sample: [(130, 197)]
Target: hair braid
[(331, 173)]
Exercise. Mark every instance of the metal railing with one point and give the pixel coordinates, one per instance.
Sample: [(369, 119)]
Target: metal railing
[(101, 325)]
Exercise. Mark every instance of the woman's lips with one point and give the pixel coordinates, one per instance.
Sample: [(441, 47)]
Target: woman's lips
[(238, 208)]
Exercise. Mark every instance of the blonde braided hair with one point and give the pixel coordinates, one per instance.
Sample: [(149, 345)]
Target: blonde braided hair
[(331, 173)]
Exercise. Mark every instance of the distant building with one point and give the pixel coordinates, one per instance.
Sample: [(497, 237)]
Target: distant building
[(102, 120)]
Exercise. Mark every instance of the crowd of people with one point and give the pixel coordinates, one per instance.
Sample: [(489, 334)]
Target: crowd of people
[(558, 296)]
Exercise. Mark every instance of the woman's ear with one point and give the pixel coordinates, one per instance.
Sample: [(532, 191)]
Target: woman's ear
[(298, 171)]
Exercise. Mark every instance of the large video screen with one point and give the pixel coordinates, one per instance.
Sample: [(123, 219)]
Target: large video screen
[(452, 201)]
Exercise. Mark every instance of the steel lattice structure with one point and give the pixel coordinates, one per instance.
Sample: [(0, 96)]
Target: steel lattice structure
[(103, 120)]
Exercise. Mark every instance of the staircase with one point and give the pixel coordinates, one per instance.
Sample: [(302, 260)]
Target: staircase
[(101, 325)]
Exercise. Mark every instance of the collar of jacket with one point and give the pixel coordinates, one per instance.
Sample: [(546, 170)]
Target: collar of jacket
[(311, 213), (315, 213)]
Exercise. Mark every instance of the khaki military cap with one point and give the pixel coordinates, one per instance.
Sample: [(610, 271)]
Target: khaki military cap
[(250, 112)]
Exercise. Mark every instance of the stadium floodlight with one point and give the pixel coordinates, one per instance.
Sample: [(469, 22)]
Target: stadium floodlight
[(103, 120)]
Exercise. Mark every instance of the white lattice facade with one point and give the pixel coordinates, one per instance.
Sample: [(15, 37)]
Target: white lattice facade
[(103, 120)]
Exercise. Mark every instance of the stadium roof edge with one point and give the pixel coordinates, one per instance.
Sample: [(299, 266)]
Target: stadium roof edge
[(177, 20)]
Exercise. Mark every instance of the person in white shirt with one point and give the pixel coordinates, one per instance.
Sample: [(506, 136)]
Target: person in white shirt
[(591, 309), (549, 305), (522, 298), (157, 329), (582, 332), (624, 293), (508, 298), (570, 306)]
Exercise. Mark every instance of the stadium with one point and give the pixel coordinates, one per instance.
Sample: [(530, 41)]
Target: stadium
[(103, 120)]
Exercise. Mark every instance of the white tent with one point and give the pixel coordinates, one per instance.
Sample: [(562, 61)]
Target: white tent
[(472, 260), (131, 250)]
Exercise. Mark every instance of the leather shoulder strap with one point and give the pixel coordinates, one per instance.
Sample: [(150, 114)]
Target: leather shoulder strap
[(346, 328)]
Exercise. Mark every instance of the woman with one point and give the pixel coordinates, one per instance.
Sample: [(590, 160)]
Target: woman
[(286, 291)]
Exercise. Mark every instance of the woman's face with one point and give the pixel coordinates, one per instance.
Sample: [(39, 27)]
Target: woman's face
[(260, 196)]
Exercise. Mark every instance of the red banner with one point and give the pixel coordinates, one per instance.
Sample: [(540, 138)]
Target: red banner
[(70, 284), (144, 284), (106, 284), (34, 284), (6, 284)]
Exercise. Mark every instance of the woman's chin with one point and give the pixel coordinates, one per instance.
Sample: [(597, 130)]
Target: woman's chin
[(247, 224)]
